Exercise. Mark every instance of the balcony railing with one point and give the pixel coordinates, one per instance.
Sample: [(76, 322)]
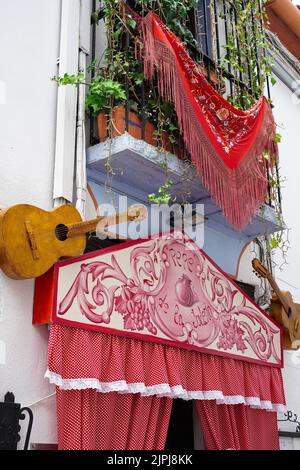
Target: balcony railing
[(211, 24)]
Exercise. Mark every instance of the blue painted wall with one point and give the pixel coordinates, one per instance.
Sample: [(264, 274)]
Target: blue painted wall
[(223, 249)]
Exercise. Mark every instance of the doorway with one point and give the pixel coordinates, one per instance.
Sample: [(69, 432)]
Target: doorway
[(184, 431)]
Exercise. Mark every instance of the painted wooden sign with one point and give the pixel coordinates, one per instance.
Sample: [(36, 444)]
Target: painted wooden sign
[(164, 289)]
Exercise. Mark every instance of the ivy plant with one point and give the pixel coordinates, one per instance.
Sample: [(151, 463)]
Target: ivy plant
[(102, 92), (163, 195), (245, 50)]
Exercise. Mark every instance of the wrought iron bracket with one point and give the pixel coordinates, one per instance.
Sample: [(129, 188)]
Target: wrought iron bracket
[(291, 418), (10, 415)]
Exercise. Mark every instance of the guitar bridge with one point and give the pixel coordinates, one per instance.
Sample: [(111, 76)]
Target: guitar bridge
[(32, 240)]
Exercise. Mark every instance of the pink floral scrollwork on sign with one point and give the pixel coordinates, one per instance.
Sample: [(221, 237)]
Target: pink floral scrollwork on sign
[(165, 289)]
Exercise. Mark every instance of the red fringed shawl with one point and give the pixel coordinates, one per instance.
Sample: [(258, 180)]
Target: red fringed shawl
[(227, 145)]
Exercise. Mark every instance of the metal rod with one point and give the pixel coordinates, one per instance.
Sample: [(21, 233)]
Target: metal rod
[(269, 185), (227, 52), (217, 31), (269, 91), (278, 185), (265, 54), (206, 36), (22, 416), (256, 52), (238, 48), (93, 54), (289, 434), (248, 46), (143, 111), (127, 84), (235, 80)]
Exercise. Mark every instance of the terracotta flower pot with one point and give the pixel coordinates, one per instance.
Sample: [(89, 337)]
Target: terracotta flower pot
[(134, 128), (118, 121), (134, 125), (102, 127), (119, 124), (165, 142), (150, 137)]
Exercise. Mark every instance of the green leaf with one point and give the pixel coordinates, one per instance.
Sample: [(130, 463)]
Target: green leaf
[(274, 243), (278, 138), (168, 183), (273, 80), (132, 23)]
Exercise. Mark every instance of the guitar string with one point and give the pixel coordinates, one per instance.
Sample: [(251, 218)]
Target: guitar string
[(64, 230), (56, 231), (64, 233), (61, 231)]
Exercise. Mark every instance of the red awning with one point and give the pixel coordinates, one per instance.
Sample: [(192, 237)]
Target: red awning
[(158, 317)]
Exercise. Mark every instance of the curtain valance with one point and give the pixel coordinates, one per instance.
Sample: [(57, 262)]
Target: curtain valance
[(80, 359)]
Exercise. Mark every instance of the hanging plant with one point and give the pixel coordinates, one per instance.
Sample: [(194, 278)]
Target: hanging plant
[(102, 92)]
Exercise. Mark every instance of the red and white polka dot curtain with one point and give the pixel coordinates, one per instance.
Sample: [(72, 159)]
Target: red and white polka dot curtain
[(237, 427), (115, 392), (89, 420)]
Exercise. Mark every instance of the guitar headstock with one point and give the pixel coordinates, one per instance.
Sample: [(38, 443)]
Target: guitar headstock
[(137, 212), (260, 269)]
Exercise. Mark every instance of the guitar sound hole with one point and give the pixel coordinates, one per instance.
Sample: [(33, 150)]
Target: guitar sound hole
[(61, 232)]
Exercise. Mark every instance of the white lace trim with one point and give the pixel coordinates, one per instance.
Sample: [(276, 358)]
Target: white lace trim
[(161, 390)]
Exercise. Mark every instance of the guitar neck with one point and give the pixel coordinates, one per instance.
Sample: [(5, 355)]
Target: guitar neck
[(81, 228)]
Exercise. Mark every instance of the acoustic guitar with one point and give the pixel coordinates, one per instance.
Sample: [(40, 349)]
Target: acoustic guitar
[(32, 239), (283, 309)]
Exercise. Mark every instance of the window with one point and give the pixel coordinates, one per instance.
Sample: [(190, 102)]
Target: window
[(204, 27)]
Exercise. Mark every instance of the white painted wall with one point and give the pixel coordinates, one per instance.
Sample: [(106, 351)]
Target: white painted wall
[(291, 379), (29, 45), (287, 115)]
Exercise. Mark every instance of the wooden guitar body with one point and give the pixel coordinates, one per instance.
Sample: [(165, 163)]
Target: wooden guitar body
[(283, 309), (31, 239), (291, 332), (277, 312), (277, 309)]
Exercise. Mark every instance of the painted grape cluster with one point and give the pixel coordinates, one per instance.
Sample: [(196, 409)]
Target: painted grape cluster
[(134, 308)]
